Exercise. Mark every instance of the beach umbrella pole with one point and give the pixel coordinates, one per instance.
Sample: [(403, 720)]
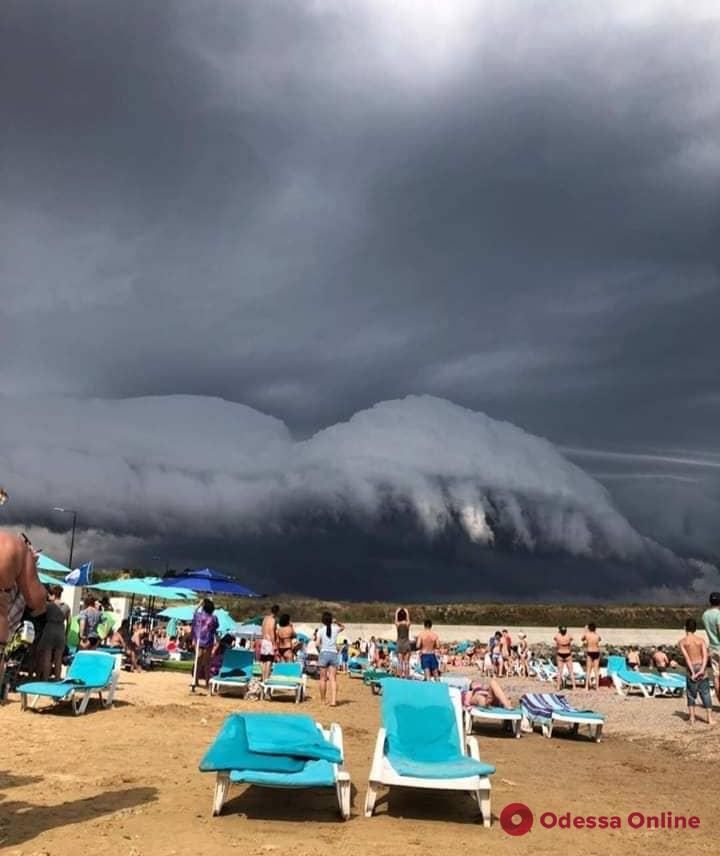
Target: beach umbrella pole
[(195, 665)]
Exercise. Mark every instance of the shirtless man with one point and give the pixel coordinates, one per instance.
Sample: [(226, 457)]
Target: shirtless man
[(269, 641), (591, 639), (633, 658), (660, 659), (19, 588), (695, 651), (428, 644)]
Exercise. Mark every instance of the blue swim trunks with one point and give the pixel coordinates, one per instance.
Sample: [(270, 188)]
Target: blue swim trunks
[(429, 663)]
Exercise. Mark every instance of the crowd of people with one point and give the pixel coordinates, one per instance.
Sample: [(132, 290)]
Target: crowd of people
[(326, 651)]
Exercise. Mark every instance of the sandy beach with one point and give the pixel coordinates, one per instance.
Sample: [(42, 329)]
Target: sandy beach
[(126, 781)]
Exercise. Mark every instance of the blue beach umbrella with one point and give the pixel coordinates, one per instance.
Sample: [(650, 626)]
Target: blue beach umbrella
[(49, 565), (47, 580), (250, 631), (144, 587), (208, 581)]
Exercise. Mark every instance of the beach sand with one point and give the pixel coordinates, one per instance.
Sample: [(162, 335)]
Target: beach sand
[(125, 781)]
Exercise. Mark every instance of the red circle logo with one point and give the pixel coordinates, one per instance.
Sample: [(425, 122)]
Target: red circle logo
[(516, 819)]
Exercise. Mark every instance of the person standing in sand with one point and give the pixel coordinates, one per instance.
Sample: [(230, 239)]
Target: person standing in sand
[(285, 636), (711, 623), (268, 641), (633, 658), (695, 651), (326, 639), (19, 588), (563, 656), (428, 644), (591, 639), (205, 626), (402, 625)]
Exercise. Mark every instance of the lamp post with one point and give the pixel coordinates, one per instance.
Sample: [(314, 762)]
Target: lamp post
[(72, 537)]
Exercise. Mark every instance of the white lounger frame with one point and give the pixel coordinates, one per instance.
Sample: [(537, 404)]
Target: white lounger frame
[(342, 777), (595, 726), (79, 696), (299, 688), (382, 773), (481, 715), (623, 686)]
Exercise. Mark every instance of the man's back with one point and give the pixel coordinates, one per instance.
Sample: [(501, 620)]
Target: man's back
[(427, 641), (694, 646), (268, 628)]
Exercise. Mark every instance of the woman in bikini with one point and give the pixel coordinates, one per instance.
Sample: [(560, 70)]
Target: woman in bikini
[(485, 695), (285, 638), (591, 639), (563, 656)]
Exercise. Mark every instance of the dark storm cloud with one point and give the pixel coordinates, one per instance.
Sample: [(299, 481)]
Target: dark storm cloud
[(311, 207)]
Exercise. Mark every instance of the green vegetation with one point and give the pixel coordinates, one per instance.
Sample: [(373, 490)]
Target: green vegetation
[(303, 608), (526, 615)]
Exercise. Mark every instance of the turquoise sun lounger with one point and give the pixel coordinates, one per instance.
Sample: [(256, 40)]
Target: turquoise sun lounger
[(286, 678), (235, 671), (277, 751), (422, 745), (90, 672)]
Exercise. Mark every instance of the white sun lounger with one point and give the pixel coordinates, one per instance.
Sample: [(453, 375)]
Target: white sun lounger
[(422, 745), (513, 718)]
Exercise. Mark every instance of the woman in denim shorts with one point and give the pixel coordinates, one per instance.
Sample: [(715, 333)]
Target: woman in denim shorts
[(326, 640)]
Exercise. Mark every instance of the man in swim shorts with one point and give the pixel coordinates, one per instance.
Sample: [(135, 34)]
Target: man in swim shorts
[(268, 641), (20, 588), (428, 644)]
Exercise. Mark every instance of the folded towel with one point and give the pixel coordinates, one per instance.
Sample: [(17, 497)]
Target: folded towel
[(456, 767), (288, 734), (315, 774), (230, 751)]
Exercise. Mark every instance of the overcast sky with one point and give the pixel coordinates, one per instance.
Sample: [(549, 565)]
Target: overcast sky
[(309, 208)]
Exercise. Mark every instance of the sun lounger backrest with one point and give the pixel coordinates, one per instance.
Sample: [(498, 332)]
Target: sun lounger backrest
[(420, 720), (92, 667), (287, 670), (237, 659), (616, 664)]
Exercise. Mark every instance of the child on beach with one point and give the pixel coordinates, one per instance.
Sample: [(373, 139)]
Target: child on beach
[(695, 651)]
